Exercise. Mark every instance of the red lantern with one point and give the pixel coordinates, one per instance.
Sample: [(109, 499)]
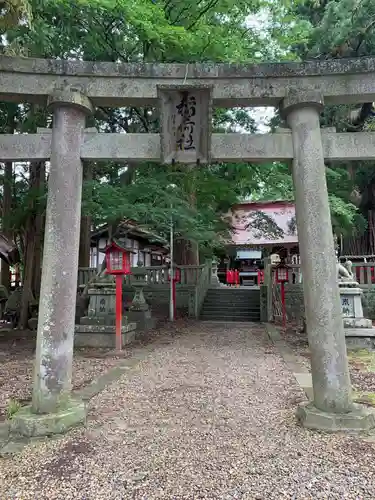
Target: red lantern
[(117, 259), (176, 275), (282, 274), (118, 263)]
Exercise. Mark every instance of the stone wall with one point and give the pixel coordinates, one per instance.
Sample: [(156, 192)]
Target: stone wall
[(295, 308), (263, 303), (293, 301)]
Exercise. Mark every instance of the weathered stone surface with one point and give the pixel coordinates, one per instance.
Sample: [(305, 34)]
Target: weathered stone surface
[(54, 351), (359, 419), (360, 332), (27, 423), (224, 147), (263, 303), (187, 71), (102, 336), (71, 98), (361, 323), (12, 448), (109, 319), (185, 118), (301, 98), (113, 84), (4, 431), (143, 319), (329, 364), (360, 342), (104, 328)]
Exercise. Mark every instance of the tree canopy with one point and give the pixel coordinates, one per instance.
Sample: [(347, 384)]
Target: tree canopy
[(241, 31)]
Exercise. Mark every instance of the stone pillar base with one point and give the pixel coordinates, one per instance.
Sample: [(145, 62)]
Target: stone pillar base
[(108, 320), (30, 424), (360, 419), (102, 336), (143, 319)]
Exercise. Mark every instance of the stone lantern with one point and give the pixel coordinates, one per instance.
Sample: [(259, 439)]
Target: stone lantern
[(139, 311), (97, 329), (139, 282), (214, 277)]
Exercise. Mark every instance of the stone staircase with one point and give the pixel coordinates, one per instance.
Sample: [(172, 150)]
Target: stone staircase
[(231, 304)]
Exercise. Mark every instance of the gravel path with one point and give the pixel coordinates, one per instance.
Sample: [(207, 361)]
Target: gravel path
[(209, 415)]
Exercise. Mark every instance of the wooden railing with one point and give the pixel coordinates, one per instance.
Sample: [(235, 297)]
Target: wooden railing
[(200, 289), (364, 273), (155, 275)]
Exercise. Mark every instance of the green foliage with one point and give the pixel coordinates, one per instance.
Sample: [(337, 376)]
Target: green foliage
[(12, 12), (12, 408), (163, 31), (180, 31)]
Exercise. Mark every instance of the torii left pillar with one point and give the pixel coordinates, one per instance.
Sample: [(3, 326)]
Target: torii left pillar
[(53, 410)]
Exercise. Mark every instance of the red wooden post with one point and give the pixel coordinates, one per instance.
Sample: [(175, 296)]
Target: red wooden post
[(283, 302), (119, 312), (118, 264), (282, 278)]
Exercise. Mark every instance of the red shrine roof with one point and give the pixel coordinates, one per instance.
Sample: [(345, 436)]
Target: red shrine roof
[(246, 219)]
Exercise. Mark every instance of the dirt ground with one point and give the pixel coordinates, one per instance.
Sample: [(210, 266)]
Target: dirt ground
[(361, 364), (16, 369), (208, 413)]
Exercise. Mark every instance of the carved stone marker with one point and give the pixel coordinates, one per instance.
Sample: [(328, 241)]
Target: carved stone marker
[(185, 123), (98, 328)]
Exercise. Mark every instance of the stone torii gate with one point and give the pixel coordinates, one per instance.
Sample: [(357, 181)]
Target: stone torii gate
[(185, 95)]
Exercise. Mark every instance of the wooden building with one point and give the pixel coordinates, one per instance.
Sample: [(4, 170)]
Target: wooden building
[(260, 229), (147, 247)]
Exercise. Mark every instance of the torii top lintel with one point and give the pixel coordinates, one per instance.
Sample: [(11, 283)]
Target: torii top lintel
[(119, 84)]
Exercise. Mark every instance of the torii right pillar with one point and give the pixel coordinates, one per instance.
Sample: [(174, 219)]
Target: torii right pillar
[(333, 408)]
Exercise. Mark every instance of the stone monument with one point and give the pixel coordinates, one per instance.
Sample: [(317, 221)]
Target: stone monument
[(139, 311), (359, 331), (214, 277), (97, 329)]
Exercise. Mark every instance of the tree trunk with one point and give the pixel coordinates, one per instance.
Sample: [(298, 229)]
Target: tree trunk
[(40, 178), (7, 209), (186, 252), (85, 232), (27, 295), (31, 237), (125, 179), (10, 128)]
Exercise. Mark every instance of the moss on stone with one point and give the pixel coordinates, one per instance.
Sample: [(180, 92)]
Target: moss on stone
[(366, 398), (362, 359)]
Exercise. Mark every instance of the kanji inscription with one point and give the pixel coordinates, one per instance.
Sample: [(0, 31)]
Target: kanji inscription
[(185, 124), (347, 304)]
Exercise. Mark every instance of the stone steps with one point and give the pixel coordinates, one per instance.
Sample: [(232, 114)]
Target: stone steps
[(231, 304)]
